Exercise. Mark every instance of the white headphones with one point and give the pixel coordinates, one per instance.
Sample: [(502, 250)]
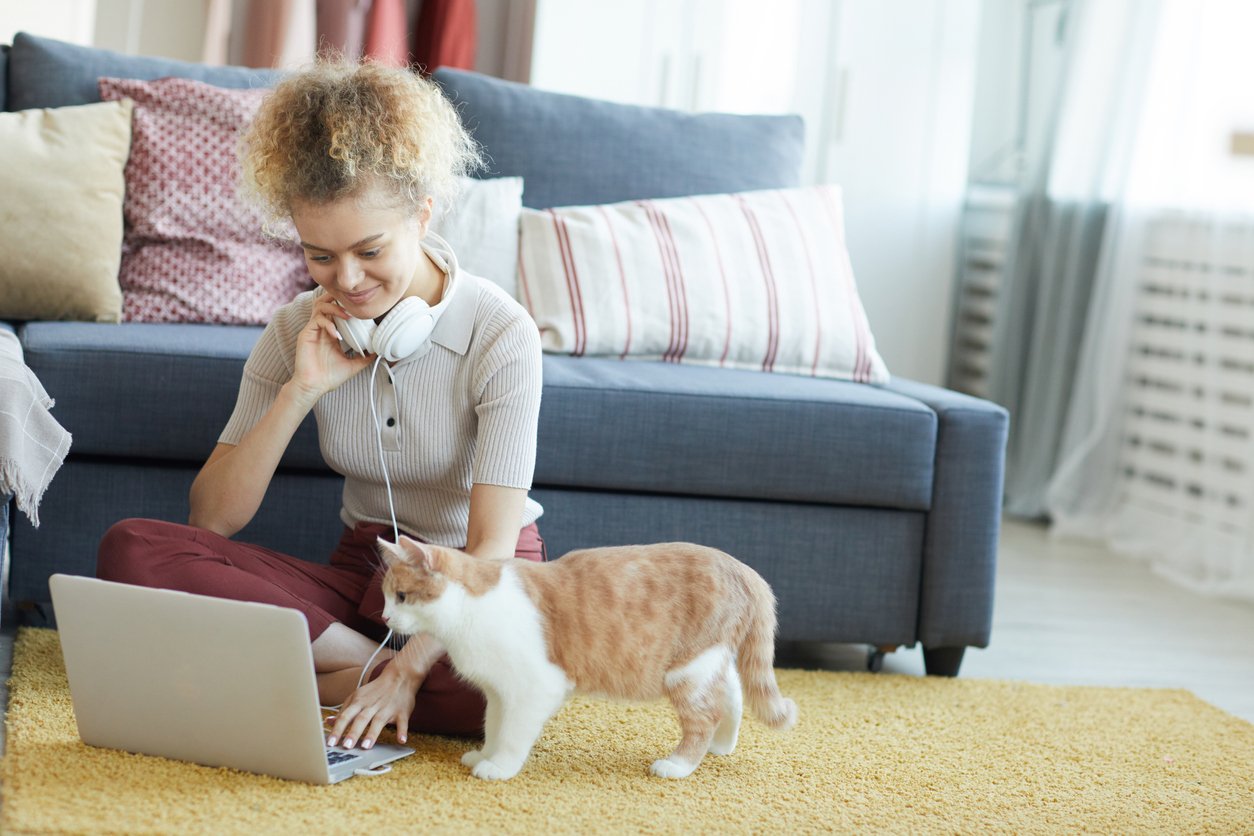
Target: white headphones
[(404, 331)]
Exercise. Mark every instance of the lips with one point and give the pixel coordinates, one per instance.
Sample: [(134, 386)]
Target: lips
[(359, 298)]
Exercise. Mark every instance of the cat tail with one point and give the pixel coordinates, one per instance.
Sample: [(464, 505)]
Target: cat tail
[(756, 662)]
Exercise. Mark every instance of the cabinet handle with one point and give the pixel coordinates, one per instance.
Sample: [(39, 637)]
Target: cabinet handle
[(695, 96), (842, 97), (664, 80)]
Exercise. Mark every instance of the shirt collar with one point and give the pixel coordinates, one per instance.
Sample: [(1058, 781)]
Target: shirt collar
[(455, 326)]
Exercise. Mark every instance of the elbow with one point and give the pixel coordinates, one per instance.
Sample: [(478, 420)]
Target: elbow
[(210, 519), (211, 523)]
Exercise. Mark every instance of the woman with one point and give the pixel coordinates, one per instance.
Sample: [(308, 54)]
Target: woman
[(358, 157)]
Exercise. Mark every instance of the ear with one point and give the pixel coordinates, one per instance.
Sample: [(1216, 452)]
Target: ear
[(422, 555), (425, 212), (391, 553), (411, 552)]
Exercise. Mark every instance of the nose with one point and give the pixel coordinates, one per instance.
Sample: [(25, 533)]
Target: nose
[(349, 275)]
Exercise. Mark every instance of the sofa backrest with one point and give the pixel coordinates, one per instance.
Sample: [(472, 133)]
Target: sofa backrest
[(47, 73), (571, 150)]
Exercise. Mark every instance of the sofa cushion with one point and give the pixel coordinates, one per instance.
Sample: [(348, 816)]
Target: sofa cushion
[(48, 73), (571, 150), (149, 391), (665, 428), (164, 392)]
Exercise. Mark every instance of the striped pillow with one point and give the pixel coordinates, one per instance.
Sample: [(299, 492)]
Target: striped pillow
[(757, 280)]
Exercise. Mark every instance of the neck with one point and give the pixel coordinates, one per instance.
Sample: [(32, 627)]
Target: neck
[(428, 281)]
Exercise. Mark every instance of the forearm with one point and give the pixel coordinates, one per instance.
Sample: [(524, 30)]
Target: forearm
[(417, 656), (229, 488), (495, 517)]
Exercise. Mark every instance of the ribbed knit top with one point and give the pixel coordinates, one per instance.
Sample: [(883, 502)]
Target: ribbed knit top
[(464, 412)]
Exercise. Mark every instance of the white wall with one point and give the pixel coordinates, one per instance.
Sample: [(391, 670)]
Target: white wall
[(65, 20), (164, 28)]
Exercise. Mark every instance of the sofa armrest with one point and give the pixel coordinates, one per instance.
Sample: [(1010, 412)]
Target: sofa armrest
[(963, 525)]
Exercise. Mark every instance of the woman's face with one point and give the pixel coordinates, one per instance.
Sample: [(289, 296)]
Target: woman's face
[(365, 254)]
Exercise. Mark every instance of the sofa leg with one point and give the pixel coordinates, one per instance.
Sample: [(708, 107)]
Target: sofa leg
[(942, 661)]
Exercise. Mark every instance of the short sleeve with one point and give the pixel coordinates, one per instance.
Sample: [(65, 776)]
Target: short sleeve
[(268, 367), (508, 382)]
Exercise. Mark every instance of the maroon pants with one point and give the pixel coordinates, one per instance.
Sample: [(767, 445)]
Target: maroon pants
[(347, 590)]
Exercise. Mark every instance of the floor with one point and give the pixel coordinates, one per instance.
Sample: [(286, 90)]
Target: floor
[(1075, 614), (1066, 614)]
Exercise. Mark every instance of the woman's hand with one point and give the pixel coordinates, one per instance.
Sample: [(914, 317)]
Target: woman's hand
[(321, 364), (388, 699)]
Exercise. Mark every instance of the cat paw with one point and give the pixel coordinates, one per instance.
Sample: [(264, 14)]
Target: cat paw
[(667, 768), (722, 747), (489, 771), (472, 757)]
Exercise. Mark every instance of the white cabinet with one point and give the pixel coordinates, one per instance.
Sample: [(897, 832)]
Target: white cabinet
[(898, 144), (885, 87)]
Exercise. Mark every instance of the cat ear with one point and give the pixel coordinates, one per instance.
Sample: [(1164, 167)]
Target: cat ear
[(423, 556), (410, 551), (391, 553)]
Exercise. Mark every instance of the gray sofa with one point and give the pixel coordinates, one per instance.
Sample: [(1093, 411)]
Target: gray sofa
[(872, 511)]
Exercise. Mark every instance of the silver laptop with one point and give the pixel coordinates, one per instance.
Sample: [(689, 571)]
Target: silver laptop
[(207, 680)]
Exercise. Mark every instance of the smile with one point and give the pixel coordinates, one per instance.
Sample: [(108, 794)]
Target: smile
[(359, 298)]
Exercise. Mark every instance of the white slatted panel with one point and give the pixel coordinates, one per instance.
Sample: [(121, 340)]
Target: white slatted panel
[(985, 235), (1188, 450)]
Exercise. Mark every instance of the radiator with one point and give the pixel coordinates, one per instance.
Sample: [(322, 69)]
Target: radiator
[(1188, 440), (986, 224)]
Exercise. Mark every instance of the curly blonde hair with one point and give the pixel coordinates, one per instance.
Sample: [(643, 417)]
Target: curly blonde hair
[(338, 128)]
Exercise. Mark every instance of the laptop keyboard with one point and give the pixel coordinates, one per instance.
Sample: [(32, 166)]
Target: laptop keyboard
[(334, 757)]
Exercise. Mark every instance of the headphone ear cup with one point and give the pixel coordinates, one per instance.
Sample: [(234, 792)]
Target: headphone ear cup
[(404, 330), (357, 333)]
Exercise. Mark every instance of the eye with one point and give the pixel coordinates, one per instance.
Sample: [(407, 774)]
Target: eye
[(400, 597), (320, 259), (370, 253)]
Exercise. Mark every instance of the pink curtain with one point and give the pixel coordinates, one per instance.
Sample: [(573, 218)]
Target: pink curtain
[(445, 35), (385, 38), (342, 26), (264, 31), (279, 33)]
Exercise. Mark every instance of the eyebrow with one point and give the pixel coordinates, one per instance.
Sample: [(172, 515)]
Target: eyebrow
[(360, 243)]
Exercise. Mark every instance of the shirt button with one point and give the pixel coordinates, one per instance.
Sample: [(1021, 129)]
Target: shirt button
[(391, 422)]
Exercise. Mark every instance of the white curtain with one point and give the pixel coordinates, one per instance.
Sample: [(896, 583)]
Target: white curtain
[(1157, 454)]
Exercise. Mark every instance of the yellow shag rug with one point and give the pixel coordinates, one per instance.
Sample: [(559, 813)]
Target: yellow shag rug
[(872, 753)]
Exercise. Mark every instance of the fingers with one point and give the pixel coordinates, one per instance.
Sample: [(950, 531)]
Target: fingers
[(376, 726), (323, 317), (366, 713), (349, 710)]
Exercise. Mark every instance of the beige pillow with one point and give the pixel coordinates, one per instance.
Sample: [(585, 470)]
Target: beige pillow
[(61, 190)]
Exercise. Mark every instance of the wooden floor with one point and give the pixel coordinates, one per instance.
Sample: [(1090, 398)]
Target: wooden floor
[(1068, 614), (1074, 614)]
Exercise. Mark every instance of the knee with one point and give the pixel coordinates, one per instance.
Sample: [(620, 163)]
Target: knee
[(129, 549)]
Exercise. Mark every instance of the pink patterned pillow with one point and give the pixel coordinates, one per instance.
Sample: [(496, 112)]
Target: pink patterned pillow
[(193, 249)]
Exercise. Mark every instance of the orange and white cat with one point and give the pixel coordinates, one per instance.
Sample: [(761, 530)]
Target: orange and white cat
[(629, 622)]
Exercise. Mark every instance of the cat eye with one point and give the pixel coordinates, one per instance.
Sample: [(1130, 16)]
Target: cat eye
[(400, 597)]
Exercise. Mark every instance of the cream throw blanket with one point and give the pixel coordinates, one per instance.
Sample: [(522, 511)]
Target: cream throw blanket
[(32, 443)]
